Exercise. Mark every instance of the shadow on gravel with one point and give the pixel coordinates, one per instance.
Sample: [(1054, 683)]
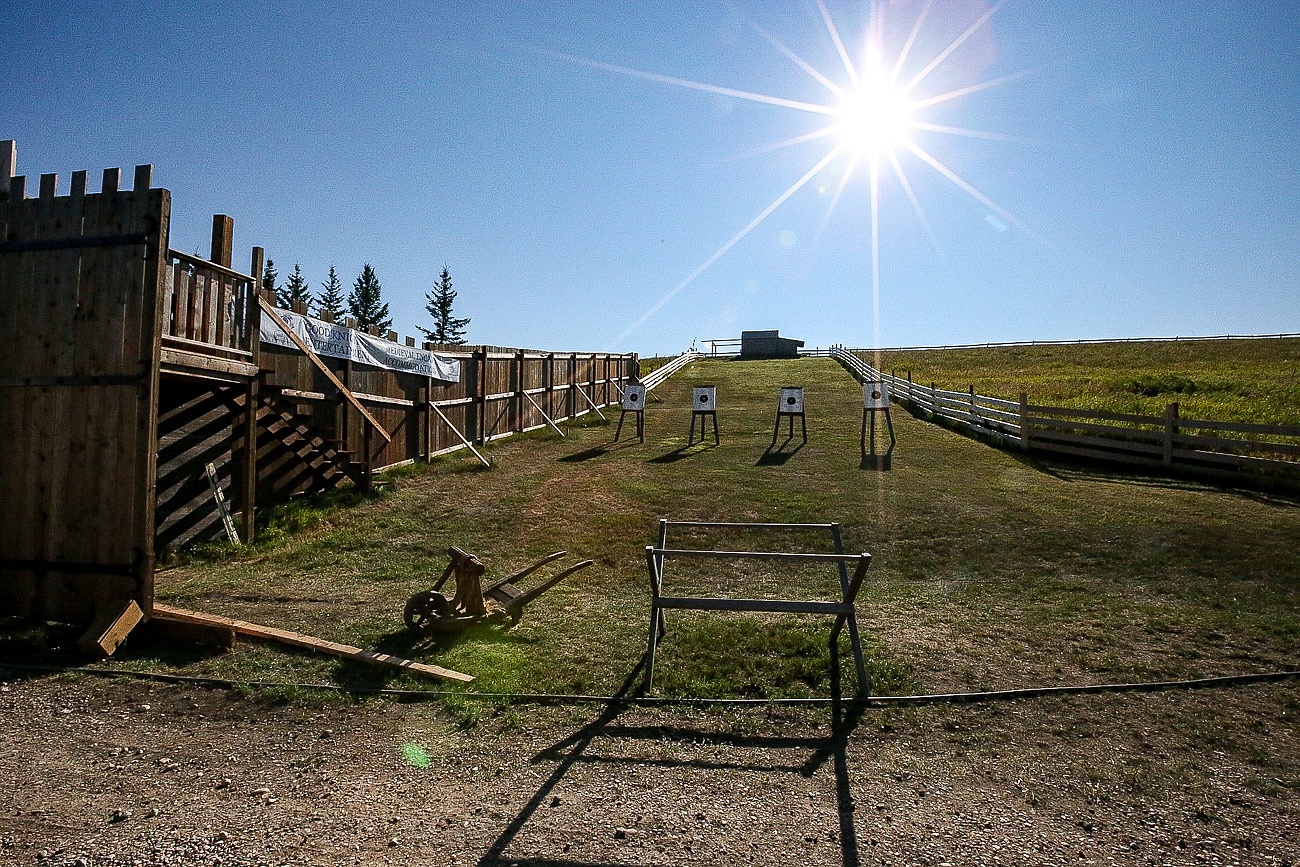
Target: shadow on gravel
[(577, 749)]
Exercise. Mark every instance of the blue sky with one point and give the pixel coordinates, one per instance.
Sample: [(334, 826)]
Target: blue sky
[(1136, 173)]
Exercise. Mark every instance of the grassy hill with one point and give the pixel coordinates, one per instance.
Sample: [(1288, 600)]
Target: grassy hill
[(1229, 380)]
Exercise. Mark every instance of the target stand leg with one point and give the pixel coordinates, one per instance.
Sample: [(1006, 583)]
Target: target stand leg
[(640, 424)]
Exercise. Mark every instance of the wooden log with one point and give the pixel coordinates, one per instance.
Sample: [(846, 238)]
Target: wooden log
[(111, 628), (297, 639)]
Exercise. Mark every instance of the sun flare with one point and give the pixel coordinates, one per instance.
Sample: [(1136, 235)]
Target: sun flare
[(874, 119), (878, 111)]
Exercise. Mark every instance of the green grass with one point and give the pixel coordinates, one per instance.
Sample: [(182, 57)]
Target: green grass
[(1228, 380), (989, 571)]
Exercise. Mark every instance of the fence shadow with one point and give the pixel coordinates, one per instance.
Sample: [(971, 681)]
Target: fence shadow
[(577, 749), (1066, 470)]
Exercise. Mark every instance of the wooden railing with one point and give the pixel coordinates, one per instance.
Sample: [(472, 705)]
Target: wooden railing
[(1162, 442), (206, 305)]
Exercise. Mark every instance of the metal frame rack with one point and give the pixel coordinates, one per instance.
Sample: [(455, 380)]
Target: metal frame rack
[(842, 609)]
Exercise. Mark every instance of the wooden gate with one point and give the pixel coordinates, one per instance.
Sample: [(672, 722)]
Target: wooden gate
[(80, 300)]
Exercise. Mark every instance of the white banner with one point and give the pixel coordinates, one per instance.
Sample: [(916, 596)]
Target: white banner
[(337, 341)]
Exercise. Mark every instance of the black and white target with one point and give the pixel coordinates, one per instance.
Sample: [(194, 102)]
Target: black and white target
[(634, 398), (790, 401), (875, 395)]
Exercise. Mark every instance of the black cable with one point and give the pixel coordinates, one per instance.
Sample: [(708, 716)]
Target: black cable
[(565, 698)]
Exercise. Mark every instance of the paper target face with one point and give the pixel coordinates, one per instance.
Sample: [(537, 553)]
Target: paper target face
[(874, 396), (634, 397), (705, 397), (791, 400)]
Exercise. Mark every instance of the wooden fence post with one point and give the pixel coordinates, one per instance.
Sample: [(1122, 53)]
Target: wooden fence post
[(519, 362), (1171, 430), (480, 403), (570, 393), (426, 398), (1024, 422), (246, 464), (223, 236)]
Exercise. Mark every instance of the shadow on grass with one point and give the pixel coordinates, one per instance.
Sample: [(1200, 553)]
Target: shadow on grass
[(37, 649), (414, 645), (679, 453), (577, 749), (1066, 470), (776, 455), (596, 452)]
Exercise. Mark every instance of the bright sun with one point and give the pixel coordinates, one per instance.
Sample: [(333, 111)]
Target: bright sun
[(874, 119), (873, 116)]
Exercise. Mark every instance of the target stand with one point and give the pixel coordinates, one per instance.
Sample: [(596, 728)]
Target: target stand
[(704, 406), (841, 606), (790, 405), (633, 402), (875, 399)]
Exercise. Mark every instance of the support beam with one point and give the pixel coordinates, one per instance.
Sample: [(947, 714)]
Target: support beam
[(461, 436), (544, 415), (269, 310)]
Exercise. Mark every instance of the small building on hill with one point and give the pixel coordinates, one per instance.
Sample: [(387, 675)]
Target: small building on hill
[(768, 344)]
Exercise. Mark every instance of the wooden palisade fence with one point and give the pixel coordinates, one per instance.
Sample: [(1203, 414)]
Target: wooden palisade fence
[(1266, 453), (134, 378)]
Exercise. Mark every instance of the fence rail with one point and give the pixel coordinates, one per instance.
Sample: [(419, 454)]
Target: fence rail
[(656, 377), (1161, 442)]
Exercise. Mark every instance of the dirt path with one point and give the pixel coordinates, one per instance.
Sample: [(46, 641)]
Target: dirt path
[(97, 771)]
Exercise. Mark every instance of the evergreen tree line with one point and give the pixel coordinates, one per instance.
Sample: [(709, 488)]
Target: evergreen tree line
[(364, 302)]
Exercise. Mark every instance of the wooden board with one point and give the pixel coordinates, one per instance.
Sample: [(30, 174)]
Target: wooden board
[(297, 639), (111, 628)]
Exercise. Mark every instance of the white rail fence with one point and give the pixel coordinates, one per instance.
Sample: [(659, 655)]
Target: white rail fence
[(656, 377), (1168, 441)]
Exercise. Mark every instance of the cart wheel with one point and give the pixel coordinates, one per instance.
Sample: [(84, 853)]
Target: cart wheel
[(425, 607)]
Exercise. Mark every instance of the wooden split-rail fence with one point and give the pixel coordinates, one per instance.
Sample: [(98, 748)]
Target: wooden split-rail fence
[(1232, 451)]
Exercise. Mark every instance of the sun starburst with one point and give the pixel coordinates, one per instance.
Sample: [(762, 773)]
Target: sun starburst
[(876, 110)]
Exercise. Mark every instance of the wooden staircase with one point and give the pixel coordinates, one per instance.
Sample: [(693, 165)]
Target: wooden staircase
[(297, 459)]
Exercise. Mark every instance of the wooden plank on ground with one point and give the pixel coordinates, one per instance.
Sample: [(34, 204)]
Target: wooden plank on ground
[(111, 628), (298, 639)]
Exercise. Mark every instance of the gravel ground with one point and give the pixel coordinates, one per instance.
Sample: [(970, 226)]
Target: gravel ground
[(122, 772)]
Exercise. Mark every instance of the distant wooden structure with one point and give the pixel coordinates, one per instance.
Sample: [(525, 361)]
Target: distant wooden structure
[(127, 367), (768, 344)]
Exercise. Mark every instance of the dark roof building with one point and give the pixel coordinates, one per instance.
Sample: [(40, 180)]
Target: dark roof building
[(768, 344)]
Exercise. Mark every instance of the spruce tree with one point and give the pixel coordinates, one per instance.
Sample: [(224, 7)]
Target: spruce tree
[(364, 301), (330, 299), (269, 276), (446, 328), (296, 289)]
